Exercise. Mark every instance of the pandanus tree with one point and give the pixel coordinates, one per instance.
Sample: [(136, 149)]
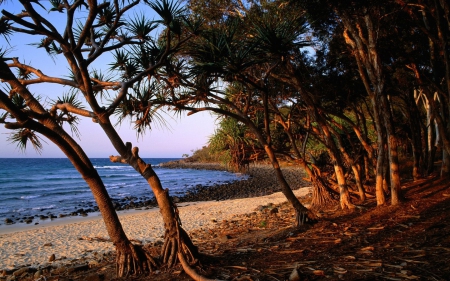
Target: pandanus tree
[(25, 115), (103, 31), (222, 55)]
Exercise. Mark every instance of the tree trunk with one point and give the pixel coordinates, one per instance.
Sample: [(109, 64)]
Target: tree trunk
[(176, 239), (392, 143), (131, 259), (321, 194), (302, 213)]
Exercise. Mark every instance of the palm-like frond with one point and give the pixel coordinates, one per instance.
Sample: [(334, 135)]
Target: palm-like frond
[(5, 29), (3, 54), (106, 16), (24, 136), (146, 55), (99, 76), (121, 58), (140, 108), (124, 63), (57, 5), (67, 117), (167, 10), (140, 27), (280, 37), (18, 101), (79, 28)]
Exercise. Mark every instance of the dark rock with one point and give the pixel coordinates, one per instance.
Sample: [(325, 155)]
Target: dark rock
[(77, 268), (9, 221), (52, 258)]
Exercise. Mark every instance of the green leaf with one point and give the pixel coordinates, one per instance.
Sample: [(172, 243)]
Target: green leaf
[(167, 10), (140, 27), (24, 136)]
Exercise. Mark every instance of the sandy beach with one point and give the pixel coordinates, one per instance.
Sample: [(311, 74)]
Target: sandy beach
[(78, 238)]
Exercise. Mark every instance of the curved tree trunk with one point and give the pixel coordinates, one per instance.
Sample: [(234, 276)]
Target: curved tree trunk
[(302, 213), (176, 240), (321, 192), (130, 258)]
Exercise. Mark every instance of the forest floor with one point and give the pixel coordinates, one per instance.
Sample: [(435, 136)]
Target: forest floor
[(406, 242)]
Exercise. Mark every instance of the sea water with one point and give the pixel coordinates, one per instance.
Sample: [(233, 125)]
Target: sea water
[(36, 186)]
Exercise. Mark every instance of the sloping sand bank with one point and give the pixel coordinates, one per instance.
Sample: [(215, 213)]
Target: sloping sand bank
[(79, 238)]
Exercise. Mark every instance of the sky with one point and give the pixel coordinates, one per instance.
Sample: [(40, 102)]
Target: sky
[(182, 135)]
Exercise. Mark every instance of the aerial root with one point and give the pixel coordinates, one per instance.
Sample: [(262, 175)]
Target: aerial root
[(134, 260), (304, 216), (169, 251)]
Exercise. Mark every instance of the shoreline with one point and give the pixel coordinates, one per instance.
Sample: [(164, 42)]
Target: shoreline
[(85, 241), (259, 180)]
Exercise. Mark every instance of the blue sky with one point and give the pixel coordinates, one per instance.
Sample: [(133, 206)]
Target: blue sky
[(182, 135)]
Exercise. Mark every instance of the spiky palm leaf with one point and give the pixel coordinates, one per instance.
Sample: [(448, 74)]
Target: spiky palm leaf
[(98, 75), (79, 28), (24, 136), (3, 54), (18, 101), (140, 27), (140, 109), (5, 29), (146, 55), (107, 16), (121, 58), (278, 36), (167, 10), (67, 117), (57, 5)]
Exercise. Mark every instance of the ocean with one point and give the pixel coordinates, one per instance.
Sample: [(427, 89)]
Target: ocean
[(34, 187)]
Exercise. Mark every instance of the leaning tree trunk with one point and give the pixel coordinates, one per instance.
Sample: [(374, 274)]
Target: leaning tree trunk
[(321, 192), (302, 213), (130, 258), (176, 240)]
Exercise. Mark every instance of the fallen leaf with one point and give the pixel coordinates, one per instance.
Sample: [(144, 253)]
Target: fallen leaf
[(376, 228), (319, 272), (339, 270)]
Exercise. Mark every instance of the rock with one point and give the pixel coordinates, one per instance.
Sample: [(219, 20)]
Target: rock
[(52, 258), (8, 221), (77, 268), (260, 208), (274, 211), (21, 271), (48, 244), (37, 274)]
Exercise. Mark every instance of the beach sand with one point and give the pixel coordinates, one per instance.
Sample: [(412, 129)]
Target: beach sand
[(78, 238)]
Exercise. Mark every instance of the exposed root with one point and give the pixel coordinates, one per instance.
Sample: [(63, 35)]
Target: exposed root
[(133, 260), (176, 242), (322, 196), (304, 217), (191, 271)]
